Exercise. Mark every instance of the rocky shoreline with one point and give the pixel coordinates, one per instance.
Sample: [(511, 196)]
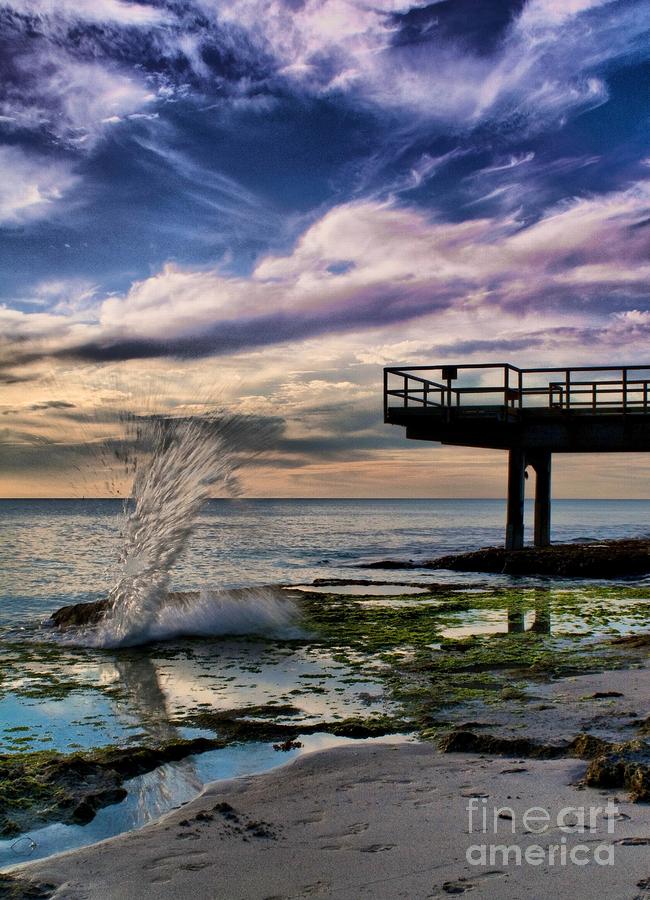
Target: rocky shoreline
[(602, 559)]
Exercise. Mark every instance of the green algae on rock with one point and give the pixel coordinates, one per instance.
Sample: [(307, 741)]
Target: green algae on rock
[(42, 787), (37, 788)]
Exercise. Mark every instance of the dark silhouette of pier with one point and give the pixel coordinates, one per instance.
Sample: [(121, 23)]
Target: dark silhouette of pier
[(531, 413)]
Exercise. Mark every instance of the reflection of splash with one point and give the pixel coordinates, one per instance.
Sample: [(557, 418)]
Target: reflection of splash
[(146, 700)]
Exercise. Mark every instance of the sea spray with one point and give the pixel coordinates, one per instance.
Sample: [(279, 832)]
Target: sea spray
[(179, 464), (186, 459)]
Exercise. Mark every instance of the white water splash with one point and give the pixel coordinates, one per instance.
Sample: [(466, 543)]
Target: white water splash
[(247, 611), (186, 461), (262, 612)]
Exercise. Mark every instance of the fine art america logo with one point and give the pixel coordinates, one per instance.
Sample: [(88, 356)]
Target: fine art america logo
[(501, 823)]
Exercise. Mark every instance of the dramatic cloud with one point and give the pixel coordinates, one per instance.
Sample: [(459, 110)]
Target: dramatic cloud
[(364, 265), (72, 100), (74, 66), (310, 189)]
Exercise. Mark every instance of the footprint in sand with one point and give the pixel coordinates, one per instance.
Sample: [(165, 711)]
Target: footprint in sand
[(309, 820), (463, 885), (357, 828), (169, 858), (310, 890), (167, 866)]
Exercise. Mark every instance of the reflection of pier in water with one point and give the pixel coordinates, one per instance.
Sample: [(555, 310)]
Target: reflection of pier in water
[(541, 623), (531, 413), (529, 614)]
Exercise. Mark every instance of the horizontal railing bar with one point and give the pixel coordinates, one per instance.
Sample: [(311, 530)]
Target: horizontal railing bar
[(398, 370)]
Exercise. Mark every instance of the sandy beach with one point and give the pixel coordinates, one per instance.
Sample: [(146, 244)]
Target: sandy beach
[(393, 820)]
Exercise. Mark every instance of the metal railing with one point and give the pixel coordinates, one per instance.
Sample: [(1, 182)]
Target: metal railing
[(595, 389)]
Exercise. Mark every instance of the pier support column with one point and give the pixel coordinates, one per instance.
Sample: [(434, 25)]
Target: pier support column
[(541, 463), (516, 490)]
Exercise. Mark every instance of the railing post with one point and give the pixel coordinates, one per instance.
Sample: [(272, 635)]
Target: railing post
[(521, 388), (567, 382), (385, 395), (406, 391), (624, 383), (594, 388)]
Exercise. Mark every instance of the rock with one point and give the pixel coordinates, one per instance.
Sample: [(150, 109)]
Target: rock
[(625, 765), (470, 742), (605, 559), (80, 614), (628, 769), (14, 888)]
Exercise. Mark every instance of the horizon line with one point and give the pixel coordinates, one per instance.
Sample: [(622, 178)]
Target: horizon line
[(371, 499)]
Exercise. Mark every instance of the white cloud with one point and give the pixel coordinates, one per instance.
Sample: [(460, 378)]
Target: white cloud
[(547, 65), (30, 186)]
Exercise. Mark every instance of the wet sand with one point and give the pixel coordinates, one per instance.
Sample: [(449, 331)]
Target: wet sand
[(391, 821)]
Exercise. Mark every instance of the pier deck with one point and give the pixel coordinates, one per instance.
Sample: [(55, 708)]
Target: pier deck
[(531, 413)]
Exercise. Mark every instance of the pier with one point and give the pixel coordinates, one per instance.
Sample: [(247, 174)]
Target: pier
[(530, 413)]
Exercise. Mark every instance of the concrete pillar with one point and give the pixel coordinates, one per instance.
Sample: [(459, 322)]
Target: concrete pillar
[(516, 491), (541, 463)]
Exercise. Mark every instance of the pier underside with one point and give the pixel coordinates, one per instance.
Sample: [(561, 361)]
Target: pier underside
[(536, 416), (531, 430)]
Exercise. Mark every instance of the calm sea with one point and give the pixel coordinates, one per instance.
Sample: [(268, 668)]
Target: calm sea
[(54, 552)]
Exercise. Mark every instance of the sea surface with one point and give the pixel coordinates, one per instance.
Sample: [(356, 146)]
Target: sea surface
[(55, 552), (77, 698)]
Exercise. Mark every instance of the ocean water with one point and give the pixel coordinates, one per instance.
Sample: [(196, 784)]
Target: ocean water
[(73, 697), (55, 552)]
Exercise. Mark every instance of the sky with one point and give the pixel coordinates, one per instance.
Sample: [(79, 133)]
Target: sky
[(260, 203)]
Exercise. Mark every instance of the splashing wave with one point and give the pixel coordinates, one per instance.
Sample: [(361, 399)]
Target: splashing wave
[(178, 464), (262, 612)]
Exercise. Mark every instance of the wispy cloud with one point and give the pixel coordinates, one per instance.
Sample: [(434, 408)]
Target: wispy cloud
[(122, 12)]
